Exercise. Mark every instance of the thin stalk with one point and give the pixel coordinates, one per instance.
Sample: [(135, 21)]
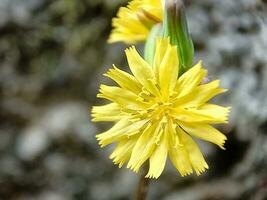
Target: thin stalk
[(143, 184)]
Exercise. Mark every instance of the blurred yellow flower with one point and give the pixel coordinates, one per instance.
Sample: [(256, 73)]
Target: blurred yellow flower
[(156, 113), (134, 22)]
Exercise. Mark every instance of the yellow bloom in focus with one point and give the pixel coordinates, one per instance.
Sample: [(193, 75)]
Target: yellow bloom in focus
[(156, 113), (134, 22)]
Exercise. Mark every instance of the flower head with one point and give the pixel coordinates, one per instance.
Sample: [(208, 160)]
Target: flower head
[(156, 112), (134, 22)]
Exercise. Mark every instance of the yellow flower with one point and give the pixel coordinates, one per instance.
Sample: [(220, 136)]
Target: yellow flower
[(156, 113), (134, 22)]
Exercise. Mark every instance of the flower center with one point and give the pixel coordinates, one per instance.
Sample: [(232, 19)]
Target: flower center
[(159, 111)]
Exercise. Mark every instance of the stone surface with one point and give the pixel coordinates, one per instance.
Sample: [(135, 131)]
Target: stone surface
[(52, 57)]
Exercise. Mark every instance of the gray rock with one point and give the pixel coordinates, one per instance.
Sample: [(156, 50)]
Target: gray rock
[(52, 57), (54, 123)]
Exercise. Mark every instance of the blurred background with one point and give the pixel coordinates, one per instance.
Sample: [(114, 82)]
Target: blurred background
[(52, 57)]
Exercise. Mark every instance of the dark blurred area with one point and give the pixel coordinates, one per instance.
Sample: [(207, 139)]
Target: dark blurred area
[(52, 57)]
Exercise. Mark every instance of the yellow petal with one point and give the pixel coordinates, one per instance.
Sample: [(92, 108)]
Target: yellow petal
[(123, 151), (141, 70), (153, 13), (180, 159), (121, 130), (158, 158), (178, 153), (207, 91), (109, 112), (193, 115), (208, 113), (190, 79), (161, 48), (215, 111), (205, 132), (200, 95), (143, 148), (124, 80), (196, 158), (168, 70), (121, 96)]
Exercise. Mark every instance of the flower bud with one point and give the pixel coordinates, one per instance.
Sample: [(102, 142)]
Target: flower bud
[(175, 27)]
